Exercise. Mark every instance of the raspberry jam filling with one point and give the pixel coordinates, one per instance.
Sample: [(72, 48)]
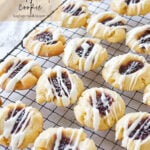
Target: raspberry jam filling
[(59, 84), (145, 37), (17, 68), (66, 143), (46, 37), (80, 50), (103, 102), (132, 1), (131, 67), (142, 130), (73, 11), (17, 124), (119, 23)]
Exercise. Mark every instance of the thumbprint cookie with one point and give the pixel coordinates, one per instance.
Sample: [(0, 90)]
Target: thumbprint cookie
[(84, 54), (128, 72), (99, 108), (45, 41), (134, 131), (19, 73), (74, 14), (107, 26), (146, 97), (138, 39), (60, 87), (131, 7), (19, 125), (63, 139)]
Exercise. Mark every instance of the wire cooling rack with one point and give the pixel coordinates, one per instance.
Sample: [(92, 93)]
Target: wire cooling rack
[(55, 116)]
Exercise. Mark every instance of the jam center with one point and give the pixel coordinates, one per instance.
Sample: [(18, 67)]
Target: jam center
[(85, 50), (17, 68), (119, 23), (45, 37), (131, 67), (65, 142), (145, 37), (142, 130), (17, 126), (59, 84), (72, 10), (132, 1), (103, 102)]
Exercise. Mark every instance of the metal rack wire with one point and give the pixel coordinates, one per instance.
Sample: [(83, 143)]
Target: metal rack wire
[(54, 116)]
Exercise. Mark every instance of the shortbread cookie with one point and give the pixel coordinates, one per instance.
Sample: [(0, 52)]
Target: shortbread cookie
[(138, 39), (19, 73), (146, 97), (60, 87), (99, 108), (84, 54), (74, 14), (45, 41), (19, 125), (63, 139), (131, 7), (108, 26), (127, 72), (134, 131)]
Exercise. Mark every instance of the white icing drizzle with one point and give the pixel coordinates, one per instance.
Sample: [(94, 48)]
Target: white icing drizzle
[(72, 146), (136, 6), (89, 60), (95, 112), (38, 44), (74, 139), (96, 26), (147, 44), (132, 34), (16, 62), (68, 16), (51, 91), (17, 138), (122, 77), (127, 131), (146, 97)]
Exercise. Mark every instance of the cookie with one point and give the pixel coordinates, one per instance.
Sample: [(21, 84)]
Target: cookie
[(138, 39), (63, 139), (107, 26), (74, 14), (134, 131), (19, 73), (19, 125), (99, 108), (60, 87), (45, 41), (131, 7), (84, 54), (128, 72), (146, 96)]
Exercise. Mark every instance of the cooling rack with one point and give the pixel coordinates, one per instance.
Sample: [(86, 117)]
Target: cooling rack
[(55, 116)]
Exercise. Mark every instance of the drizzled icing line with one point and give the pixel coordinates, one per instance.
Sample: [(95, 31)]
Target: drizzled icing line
[(132, 35), (16, 62), (95, 112), (91, 59), (93, 22), (67, 16), (51, 91), (122, 77), (74, 139), (38, 44), (17, 137), (126, 142)]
